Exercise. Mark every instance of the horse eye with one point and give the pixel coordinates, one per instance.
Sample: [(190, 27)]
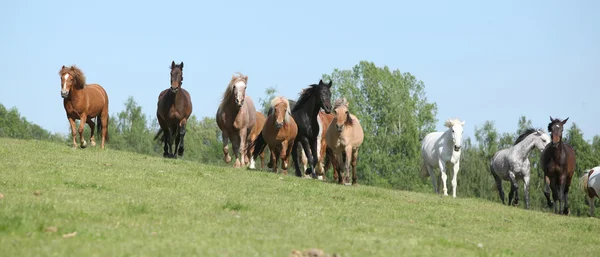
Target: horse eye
[(453, 131)]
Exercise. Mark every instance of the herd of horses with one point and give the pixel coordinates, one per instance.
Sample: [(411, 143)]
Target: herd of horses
[(320, 135)]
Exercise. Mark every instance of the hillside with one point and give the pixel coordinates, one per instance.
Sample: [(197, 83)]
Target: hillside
[(126, 204)]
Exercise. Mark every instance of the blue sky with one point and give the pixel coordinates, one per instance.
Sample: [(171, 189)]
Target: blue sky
[(479, 60)]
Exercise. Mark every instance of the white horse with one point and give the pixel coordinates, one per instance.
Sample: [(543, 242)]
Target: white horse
[(440, 149), (512, 164), (590, 183)]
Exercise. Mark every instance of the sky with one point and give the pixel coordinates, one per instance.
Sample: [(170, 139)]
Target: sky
[(479, 60)]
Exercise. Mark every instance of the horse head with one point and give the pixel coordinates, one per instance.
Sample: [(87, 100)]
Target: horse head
[(70, 78), (176, 76), (456, 126), (555, 127), (542, 140), (282, 111), (240, 83), (342, 114), (324, 91)]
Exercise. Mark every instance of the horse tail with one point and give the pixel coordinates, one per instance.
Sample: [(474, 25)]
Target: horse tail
[(424, 171), (259, 145), (99, 127), (160, 134), (583, 181)]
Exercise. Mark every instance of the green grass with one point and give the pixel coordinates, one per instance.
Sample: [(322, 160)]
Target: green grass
[(125, 204)]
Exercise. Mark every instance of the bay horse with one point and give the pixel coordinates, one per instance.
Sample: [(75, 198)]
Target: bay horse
[(512, 164), (84, 102), (279, 132), (256, 131), (174, 108), (345, 136), (590, 184), (440, 149), (236, 116), (558, 163)]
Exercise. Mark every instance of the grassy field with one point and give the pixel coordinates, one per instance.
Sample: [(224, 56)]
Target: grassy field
[(125, 204)]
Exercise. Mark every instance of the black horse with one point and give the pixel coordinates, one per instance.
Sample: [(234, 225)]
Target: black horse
[(305, 112)]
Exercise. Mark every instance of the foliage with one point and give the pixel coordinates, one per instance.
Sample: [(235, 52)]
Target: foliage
[(14, 126)]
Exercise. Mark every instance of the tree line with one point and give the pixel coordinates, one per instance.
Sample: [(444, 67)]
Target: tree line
[(395, 114)]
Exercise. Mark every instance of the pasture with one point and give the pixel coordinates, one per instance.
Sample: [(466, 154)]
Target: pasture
[(126, 204)]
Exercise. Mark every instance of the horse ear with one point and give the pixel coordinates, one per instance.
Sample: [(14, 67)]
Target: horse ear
[(172, 64), (329, 85), (181, 65), (321, 82), (246, 80), (63, 67), (551, 119), (462, 123), (565, 121)]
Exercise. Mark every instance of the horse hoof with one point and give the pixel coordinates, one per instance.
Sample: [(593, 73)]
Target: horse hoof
[(93, 143), (227, 159), (320, 177), (347, 184), (165, 155), (180, 151)]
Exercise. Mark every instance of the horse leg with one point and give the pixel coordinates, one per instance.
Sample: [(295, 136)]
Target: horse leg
[(592, 205), (296, 157), (285, 152), (242, 147), (444, 176), (314, 150), (82, 122), (104, 119), (309, 156), (555, 196), (354, 160), (455, 167), (565, 208), (262, 160), (498, 184), (226, 156), (235, 143), (433, 178), (92, 125), (275, 152), (547, 192), (73, 131), (526, 190), (514, 187), (340, 166), (182, 131)]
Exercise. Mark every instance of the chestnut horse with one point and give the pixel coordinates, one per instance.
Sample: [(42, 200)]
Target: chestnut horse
[(558, 164), (83, 102), (322, 165), (236, 116), (256, 130), (344, 137), (279, 132), (174, 108)]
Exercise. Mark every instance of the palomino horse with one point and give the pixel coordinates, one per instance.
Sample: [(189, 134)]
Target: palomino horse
[(590, 184), (279, 132), (558, 164), (256, 131), (174, 108), (236, 116), (512, 164), (83, 102), (440, 149), (344, 137)]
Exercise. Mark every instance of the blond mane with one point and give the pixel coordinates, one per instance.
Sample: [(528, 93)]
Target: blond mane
[(451, 122), (228, 94), (341, 102), (76, 73), (282, 100)]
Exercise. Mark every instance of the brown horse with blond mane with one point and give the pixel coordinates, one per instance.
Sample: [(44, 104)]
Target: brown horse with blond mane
[(84, 102), (236, 116), (280, 131), (344, 137), (174, 108)]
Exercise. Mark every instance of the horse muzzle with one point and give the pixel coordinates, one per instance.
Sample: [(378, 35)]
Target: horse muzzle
[(64, 94), (174, 89), (239, 103), (278, 125), (456, 148), (339, 127)]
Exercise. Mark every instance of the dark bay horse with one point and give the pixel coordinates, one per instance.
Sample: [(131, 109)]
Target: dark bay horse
[(558, 164), (83, 102), (305, 113), (236, 116), (174, 108), (279, 132)]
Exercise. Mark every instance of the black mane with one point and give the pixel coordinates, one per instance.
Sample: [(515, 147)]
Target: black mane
[(305, 96), (523, 135)]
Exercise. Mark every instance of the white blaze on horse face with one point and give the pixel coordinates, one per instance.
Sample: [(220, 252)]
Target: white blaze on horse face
[(457, 132), (64, 85), (240, 92)]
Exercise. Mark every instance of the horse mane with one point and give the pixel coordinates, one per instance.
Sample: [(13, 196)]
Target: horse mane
[(451, 122), (523, 135), (228, 94), (305, 95), (342, 102), (280, 99), (75, 72), (552, 122)]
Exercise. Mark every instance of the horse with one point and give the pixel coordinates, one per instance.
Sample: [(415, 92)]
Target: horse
[(512, 164), (345, 139), (323, 163), (590, 184), (279, 132), (236, 116), (173, 109), (256, 131), (442, 148), (84, 102), (558, 163), (305, 113)]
